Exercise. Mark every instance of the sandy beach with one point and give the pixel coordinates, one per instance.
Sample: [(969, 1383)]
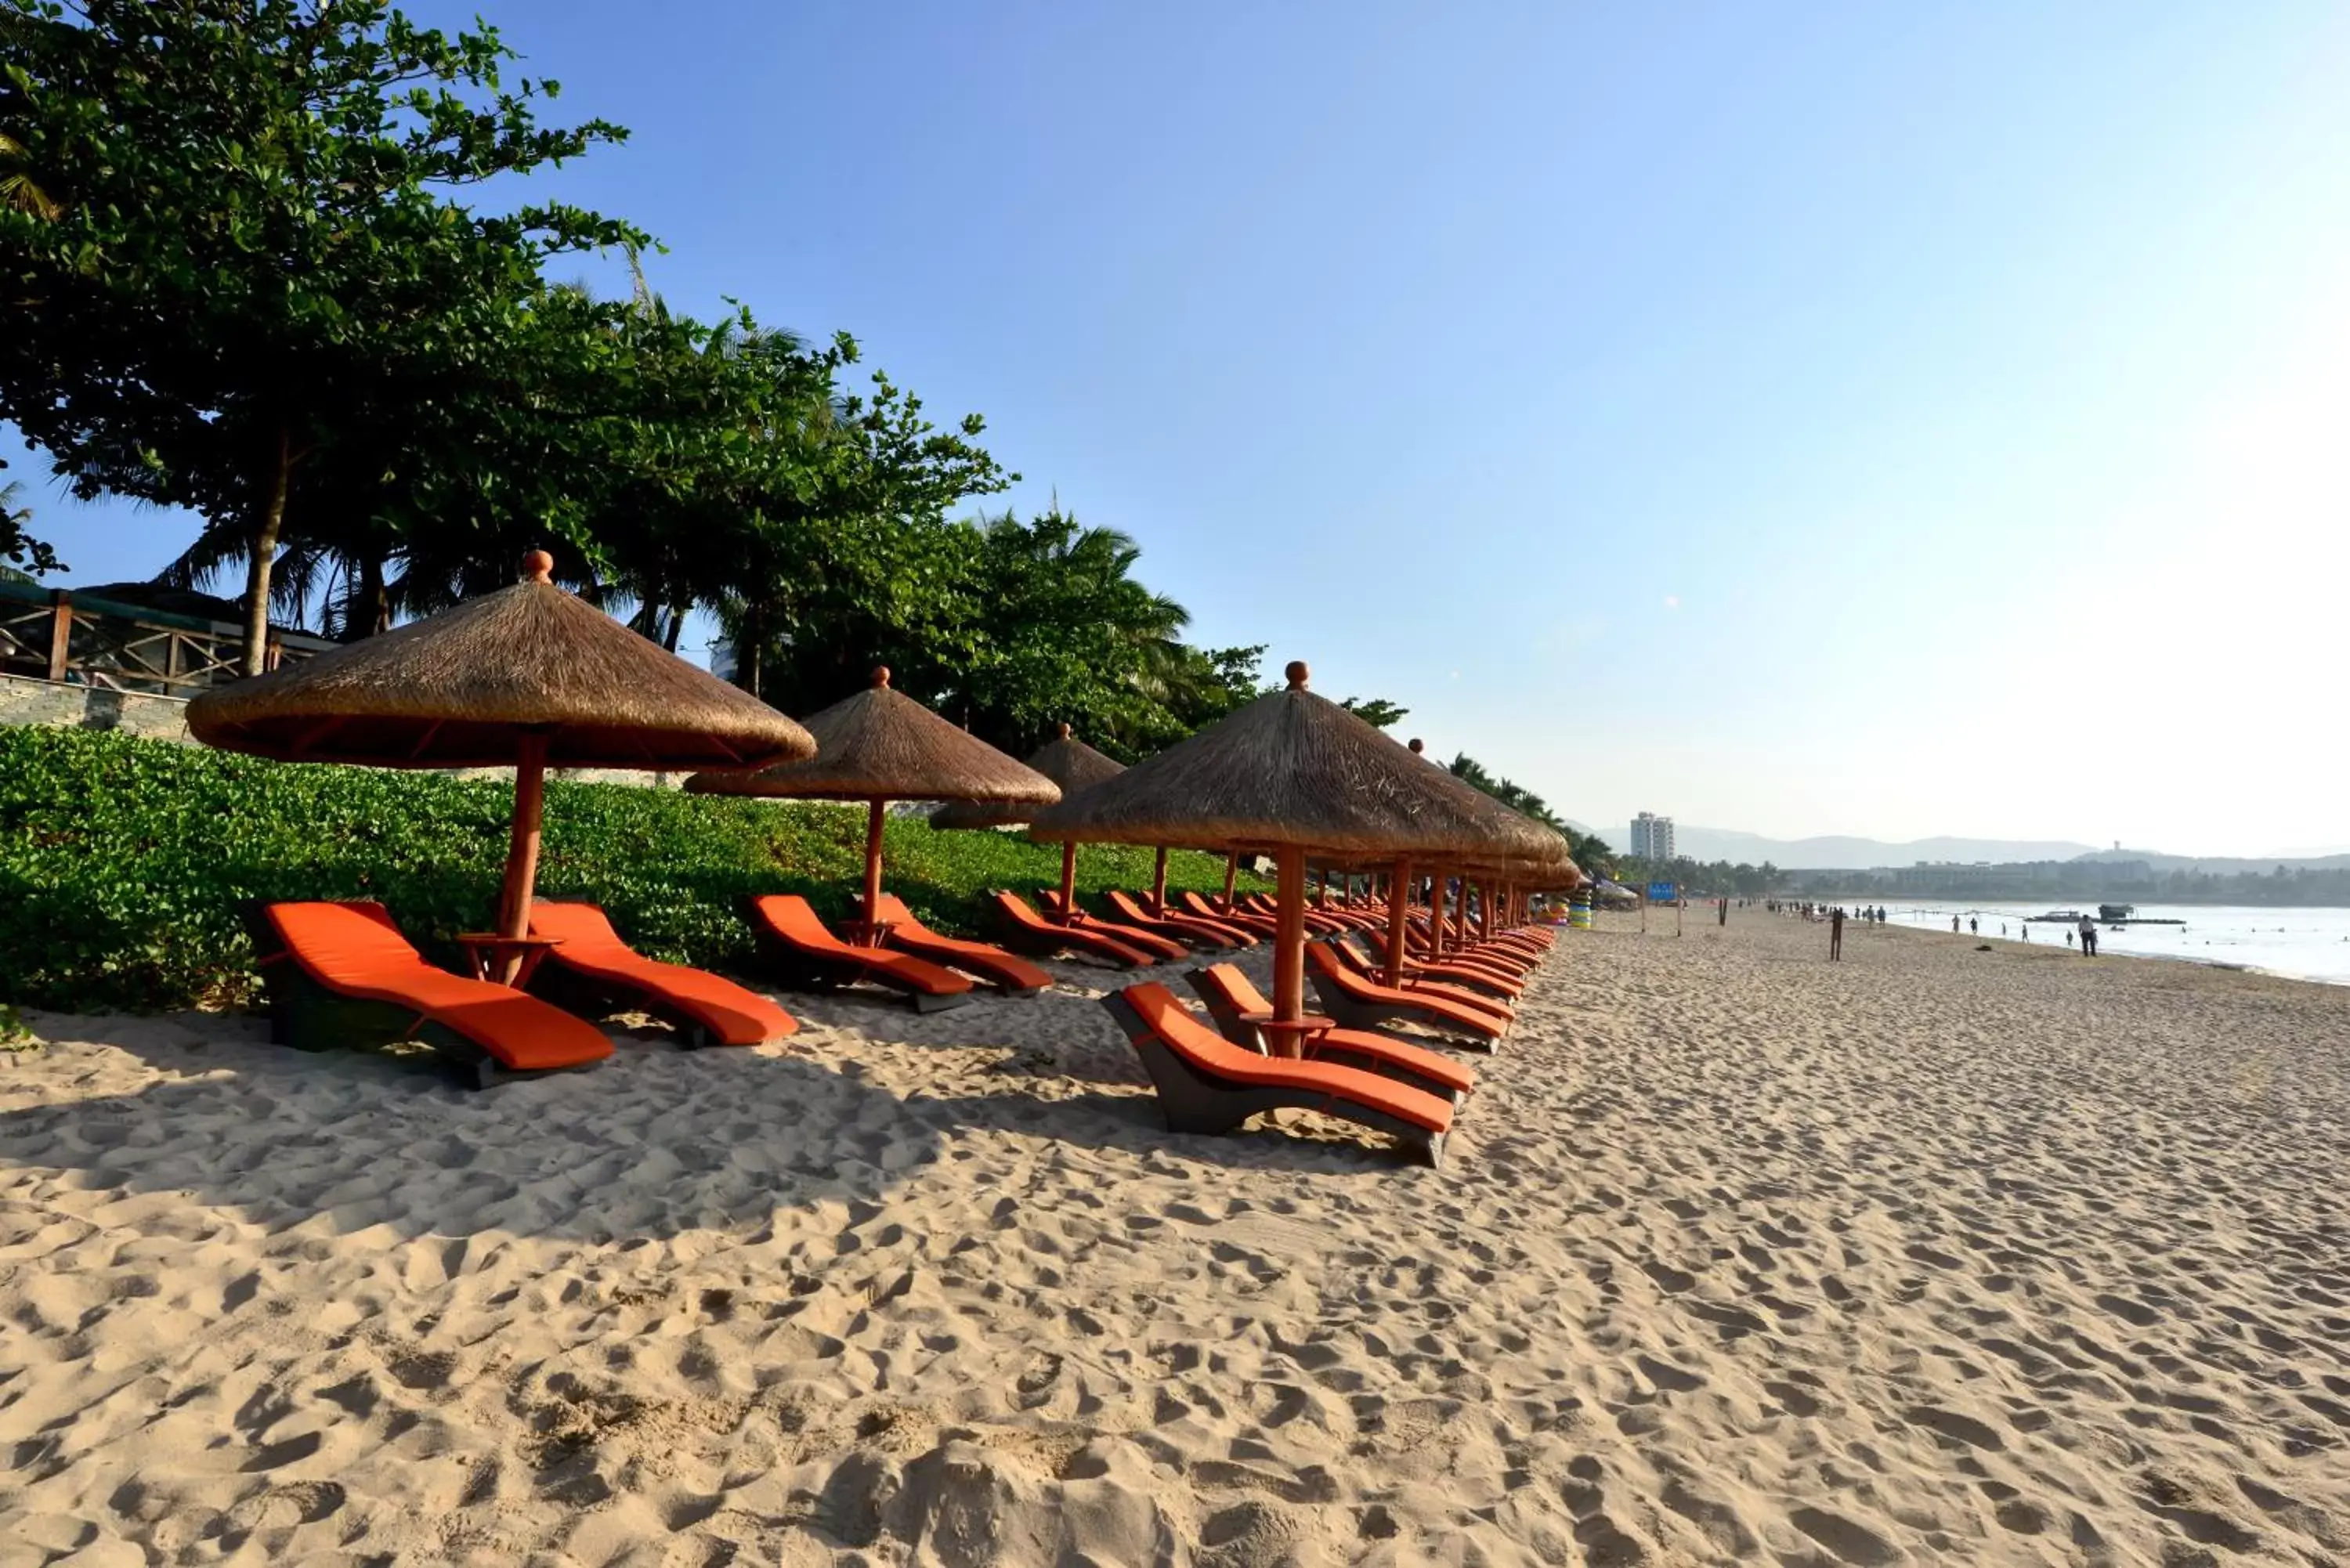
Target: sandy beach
[(1935, 1255)]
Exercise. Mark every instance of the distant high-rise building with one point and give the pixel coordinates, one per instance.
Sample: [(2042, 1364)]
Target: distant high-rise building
[(1652, 836)]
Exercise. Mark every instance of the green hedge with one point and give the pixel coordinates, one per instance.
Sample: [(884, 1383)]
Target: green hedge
[(122, 862)]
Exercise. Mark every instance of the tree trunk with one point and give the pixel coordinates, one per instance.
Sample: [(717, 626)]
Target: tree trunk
[(676, 625), (747, 652), (266, 528), (370, 602)]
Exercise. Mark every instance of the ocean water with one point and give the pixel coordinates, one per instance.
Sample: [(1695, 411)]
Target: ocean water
[(2304, 943)]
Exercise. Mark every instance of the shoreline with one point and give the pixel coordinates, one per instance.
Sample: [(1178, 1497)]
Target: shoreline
[(2061, 949)]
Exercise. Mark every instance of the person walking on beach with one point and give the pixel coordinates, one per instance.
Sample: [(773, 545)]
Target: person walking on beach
[(2088, 938), (1974, 927), (1836, 935), (1954, 925)]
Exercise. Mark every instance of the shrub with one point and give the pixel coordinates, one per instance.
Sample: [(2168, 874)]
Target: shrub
[(123, 861)]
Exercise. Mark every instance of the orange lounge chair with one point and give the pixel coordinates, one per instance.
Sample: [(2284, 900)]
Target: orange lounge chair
[(1500, 965), (1416, 981), (1264, 925), (1025, 929), (1229, 995), (341, 975), (1207, 1085), (1471, 982), (1360, 1003), (1321, 922), (983, 961), (1162, 950), (1192, 929), (594, 973), (795, 944)]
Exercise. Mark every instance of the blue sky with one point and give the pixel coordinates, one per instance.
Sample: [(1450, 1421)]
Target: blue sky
[(1823, 419)]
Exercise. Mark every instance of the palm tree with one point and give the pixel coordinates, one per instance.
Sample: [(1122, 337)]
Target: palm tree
[(17, 188)]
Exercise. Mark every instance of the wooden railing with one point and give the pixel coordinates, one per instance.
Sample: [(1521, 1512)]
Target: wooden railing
[(50, 635)]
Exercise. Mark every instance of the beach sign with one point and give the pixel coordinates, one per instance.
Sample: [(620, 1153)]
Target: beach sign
[(1661, 893)]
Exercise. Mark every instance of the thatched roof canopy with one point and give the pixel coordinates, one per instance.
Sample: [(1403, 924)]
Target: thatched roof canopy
[(1293, 769), (881, 744), (461, 687), (1065, 760)]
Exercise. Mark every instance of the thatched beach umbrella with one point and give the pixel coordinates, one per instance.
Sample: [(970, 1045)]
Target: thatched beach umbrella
[(527, 678), (1511, 854), (1068, 763), (882, 745), (1291, 773)]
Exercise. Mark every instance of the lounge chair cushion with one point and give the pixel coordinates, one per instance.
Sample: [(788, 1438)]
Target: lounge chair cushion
[(732, 1014), (794, 921), (354, 948), (1433, 1066), (1212, 1053), (985, 958)]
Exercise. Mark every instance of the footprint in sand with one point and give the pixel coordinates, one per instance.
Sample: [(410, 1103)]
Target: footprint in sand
[(1669, 1280), (1851, 1543), (2136, 1313), (1959, 1429), (1665, 1376)]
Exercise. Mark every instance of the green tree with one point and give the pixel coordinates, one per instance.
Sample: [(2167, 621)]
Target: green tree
[(255, 249), (20, 552), (1376, 712)]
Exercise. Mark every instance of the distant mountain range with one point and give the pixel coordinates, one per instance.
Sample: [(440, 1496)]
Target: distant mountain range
[(1838, 853)]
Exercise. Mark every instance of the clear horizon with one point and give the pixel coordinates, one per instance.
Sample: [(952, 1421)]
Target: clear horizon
[(1844, 423)]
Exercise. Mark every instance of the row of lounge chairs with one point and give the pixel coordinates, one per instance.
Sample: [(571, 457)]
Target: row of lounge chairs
[(1210, 1079), (341, 974)]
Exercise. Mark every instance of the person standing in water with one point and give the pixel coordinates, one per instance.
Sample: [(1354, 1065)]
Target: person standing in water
[(1836, 935), (1954, 925)]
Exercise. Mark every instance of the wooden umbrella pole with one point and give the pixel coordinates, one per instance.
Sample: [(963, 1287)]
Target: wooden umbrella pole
[(1232, 874), (878, 812), (1484, 911), (1289, 948), (1398, 919), (1159, 882), (522, 849), (1069, 880)]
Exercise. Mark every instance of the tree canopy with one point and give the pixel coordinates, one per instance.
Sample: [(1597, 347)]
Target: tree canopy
[(251, 271)]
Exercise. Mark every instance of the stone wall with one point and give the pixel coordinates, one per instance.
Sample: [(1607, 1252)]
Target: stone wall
[(26, 701)]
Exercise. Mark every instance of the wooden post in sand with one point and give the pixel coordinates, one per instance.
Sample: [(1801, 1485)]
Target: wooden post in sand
[(1289, 948), (521, 850), (1398, 918), (876, 813), (1159, 882)]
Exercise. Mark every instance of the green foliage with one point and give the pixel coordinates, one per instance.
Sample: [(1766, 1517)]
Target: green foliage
[(14, 1034), (20, 552), (123, 862), (247, 273), (1705, 878), (249, 249), (1376, 712)]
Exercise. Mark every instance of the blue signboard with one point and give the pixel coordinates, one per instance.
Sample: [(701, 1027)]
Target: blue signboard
[(1661, 893)]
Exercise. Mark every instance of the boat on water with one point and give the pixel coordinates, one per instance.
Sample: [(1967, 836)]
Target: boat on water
[(2113, 915)]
